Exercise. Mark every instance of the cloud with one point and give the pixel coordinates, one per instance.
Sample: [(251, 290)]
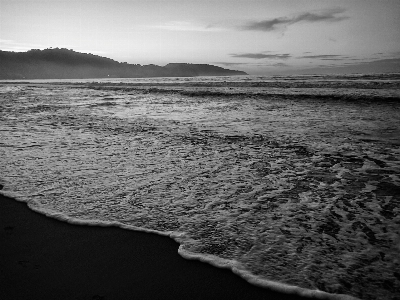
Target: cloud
[(387, 55), (358, 59), (333, 58), (185, 26), (329, 15), (261, 55), (375, 66), (328, 56), (6, 41), (280, 65), (231, 64), (395, 62)]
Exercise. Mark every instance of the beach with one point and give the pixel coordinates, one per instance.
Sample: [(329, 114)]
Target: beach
[(43, 258)]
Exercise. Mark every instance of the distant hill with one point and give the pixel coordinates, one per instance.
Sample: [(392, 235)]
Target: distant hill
[(62, 63)]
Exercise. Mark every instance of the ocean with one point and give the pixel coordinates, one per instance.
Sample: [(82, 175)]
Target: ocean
[(290, 181)]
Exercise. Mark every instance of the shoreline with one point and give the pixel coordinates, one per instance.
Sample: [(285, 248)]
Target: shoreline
[(44, 258)]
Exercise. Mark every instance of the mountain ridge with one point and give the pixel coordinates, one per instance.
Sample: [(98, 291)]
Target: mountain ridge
[(61, 63)]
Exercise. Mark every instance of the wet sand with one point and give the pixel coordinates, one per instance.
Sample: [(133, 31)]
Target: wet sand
[(43, 258)]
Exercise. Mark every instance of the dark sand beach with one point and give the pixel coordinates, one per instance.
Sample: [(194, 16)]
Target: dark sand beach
[(43, 258)]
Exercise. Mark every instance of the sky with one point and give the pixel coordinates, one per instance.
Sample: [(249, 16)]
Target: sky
[(255, 36)]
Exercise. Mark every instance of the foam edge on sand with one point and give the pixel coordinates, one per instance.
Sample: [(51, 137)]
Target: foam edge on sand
[(213, 260), (236, 268)]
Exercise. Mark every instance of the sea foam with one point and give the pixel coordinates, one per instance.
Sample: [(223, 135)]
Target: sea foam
[(297, 196)]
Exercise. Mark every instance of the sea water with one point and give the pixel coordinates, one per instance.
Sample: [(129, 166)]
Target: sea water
[(292, 182)]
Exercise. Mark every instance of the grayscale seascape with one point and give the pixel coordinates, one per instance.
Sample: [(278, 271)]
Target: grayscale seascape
[(287, 179)]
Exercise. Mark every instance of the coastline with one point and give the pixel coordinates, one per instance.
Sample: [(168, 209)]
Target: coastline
[(44, 258)]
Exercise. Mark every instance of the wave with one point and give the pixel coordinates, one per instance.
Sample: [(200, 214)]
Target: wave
[(322, 93), (301, 192), (213, 260)]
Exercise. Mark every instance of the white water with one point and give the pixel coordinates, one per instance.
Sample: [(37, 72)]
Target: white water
[(303, 192)]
